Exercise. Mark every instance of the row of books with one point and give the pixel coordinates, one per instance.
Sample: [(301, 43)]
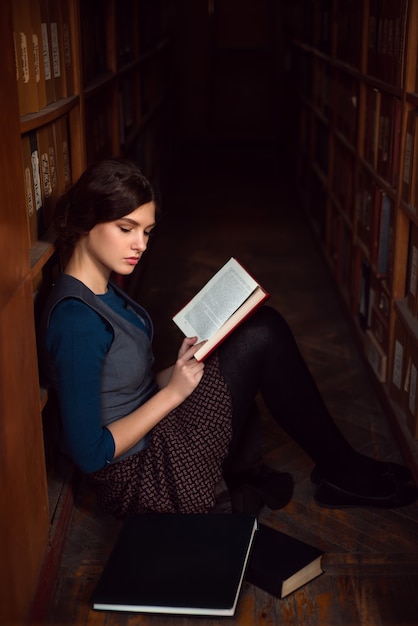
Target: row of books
[(301, 120), (100, 120), (323, 89), (333, 90), (43, 44), (43, 54), (374, 312), (127, 20), (382, 113), (346, 106), (403, 383), (385, 27), (343, 178), (157, 19), (95, 37), (362, 261), (155, 79), (412, 272), (348, 17), (341, 252), (387, 35), (365, 293), (321, 145), (409, 186), (128, 106), (322, 31), (148, 147), (374, 223), (401, 373), (47, 172), (99, 126), (382, 123), (317, 201), (382, 137)]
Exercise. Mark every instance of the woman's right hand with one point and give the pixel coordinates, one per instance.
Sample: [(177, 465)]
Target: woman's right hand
[(187, 372)]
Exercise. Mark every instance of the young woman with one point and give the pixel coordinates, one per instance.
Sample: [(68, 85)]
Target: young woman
[(161, 441)]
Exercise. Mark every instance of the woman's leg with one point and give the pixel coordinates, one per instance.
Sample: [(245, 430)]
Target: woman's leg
[(262, 355)]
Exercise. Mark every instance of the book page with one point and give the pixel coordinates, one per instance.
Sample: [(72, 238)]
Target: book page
[(216, 302)]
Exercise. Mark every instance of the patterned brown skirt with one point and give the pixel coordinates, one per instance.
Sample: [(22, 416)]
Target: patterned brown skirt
[(179, 469)]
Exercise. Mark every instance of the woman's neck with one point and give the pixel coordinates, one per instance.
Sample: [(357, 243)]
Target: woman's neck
[(94, 277)]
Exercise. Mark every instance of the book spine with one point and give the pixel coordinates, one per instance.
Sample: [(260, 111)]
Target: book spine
[(37, 184), (25, 59), (46, 52), (38, 53), (29, 189), (57, 52)]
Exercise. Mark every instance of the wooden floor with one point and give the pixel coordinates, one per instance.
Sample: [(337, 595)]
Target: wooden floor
[(237, 204)]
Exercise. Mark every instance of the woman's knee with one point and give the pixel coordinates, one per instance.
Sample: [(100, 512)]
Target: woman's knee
[(269, 324), (265, 332)]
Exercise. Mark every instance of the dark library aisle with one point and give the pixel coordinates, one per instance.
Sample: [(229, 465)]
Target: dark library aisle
[(239, 202)]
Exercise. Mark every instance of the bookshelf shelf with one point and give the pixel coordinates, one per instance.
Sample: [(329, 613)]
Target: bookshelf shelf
[(52, 112), (41, 252)]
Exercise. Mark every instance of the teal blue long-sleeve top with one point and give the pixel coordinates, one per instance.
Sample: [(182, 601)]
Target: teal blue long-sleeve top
[(79, 339)]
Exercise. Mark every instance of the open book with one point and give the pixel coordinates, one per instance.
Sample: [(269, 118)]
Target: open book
[(226, 300)]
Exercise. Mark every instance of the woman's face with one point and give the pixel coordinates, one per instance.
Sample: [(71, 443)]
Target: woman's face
[(118, 246)]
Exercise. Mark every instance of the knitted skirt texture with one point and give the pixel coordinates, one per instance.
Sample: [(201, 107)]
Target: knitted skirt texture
[(179, 469)]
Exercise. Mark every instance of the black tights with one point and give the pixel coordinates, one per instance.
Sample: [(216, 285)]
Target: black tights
[(262, 355)]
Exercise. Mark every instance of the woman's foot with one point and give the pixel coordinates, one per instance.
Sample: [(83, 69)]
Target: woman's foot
[(365, 482), (244, 500), (261, 487), (384, 469), (332, 496)]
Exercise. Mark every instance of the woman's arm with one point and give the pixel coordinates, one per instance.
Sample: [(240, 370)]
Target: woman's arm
[(79, 339), (164, 376), (176, 384)]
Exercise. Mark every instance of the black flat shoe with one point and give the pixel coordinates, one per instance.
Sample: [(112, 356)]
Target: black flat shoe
[(262, 487), (274, 488), (383, 469), (244, 500), (331, 496)]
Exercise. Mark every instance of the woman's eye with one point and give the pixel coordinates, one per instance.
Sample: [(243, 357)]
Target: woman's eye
[(125, 230)]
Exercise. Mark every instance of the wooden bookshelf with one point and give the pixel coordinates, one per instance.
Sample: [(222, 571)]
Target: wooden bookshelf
[(353, 81), (80, 81)]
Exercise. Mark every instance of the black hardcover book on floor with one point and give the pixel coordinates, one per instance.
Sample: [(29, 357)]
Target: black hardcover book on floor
[(177, 563), (280, 564)]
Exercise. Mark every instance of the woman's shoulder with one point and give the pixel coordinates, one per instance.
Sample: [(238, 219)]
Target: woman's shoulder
[(69, 286), (77, 317), (72, 297), (72, 306)]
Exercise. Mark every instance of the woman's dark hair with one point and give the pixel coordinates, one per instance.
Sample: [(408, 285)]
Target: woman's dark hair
[(104, 192)]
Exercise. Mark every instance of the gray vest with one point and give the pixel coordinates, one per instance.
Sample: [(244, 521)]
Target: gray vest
[(128, 378)]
